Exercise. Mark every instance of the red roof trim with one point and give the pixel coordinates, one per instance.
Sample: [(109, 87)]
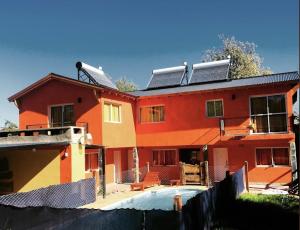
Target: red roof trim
[(53, 76)]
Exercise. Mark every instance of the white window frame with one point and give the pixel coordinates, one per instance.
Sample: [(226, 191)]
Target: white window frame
[(110, 112), (152, 122), (214, 100), (57, 105), (176, 157), (268, 114), (272, 160)]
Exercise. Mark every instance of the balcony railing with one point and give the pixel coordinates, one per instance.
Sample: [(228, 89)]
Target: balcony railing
[(51, 125), (242, 126)]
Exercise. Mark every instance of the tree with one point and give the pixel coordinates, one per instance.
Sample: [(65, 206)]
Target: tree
[(125, 85), (245, 61), (9, 126)]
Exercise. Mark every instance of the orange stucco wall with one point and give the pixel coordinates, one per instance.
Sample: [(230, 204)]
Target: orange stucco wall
[(186, 122), (116, 135), (34, 107)]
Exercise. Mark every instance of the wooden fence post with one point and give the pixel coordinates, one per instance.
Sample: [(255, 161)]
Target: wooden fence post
[(182, 174), (246, 175), (206, 173)]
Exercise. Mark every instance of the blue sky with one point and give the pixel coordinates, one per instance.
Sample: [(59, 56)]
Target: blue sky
[(130, 38)]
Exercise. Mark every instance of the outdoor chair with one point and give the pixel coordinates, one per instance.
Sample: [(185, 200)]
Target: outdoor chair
[(150, 180)]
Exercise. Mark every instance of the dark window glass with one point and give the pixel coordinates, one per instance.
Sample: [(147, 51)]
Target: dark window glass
[(278, 123), (68, 115), (276, 104), (56, 116), (62, 116), (260, 124), (259, 105), (263, 157), (219, 108), (214, 108), (281, 156)]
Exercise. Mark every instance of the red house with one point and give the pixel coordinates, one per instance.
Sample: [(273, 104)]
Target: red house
[(180, 116)]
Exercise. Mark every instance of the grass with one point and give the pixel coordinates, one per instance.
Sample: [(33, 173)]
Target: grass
[(287, 202)]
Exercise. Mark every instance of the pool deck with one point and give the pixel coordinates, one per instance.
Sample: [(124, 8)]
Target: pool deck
[(124, 193)]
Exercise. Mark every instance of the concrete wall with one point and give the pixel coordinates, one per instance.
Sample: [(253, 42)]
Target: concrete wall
[(78, 162), (33, 169)]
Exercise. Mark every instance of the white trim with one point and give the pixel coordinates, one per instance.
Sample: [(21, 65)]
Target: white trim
[(214, 100), (272, 159), (169, 70), (210, 64), (110, 112), (269, 114)]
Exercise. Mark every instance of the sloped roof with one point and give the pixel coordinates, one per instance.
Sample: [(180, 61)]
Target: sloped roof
[(53, 76), (234, 83)]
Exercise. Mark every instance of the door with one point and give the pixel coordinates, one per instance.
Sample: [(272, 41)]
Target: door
[(220, 163), (117, 163)]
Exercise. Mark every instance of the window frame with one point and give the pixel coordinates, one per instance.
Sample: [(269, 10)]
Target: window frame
[(150, 106), (214, 100), (272, 158), (269, 114), (160, 165), (59, 105), (110, 112)]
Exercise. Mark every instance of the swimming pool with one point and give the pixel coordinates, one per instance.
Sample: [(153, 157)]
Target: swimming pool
[(160, 199)]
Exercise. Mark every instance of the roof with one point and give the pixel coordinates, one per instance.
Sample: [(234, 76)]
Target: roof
[(95, 75), (54, 76), (167, 77), (210, 71), (234, 83)]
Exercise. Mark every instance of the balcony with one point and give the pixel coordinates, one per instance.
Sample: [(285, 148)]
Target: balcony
[(42, 136), (85, 125), (241, 127)]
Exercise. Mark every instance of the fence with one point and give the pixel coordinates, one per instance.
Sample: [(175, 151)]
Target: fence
[(205, 209), (69, 195), (200, 212)]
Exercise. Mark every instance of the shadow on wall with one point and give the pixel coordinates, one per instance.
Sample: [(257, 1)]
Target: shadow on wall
[(33, 169)]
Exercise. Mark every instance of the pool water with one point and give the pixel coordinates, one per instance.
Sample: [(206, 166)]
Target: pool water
[(161, 199)]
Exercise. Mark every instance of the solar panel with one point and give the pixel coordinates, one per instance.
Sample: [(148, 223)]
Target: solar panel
[(210, 71), (167, 77), (94, 75)]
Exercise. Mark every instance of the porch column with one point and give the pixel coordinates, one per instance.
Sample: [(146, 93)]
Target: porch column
[(136, 168)]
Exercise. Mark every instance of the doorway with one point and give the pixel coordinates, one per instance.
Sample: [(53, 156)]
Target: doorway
[(220, 163), (189, 156), (117, 163)]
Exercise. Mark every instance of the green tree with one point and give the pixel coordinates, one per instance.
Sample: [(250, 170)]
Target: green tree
[(245, 61), (9, 126), (125, 85)]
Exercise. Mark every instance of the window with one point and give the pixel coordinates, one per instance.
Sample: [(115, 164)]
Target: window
[(112, 113), (164, 157), (272, 156), (214, 108), (268, 114), (91, 161), (62, 115), (152, 114)]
